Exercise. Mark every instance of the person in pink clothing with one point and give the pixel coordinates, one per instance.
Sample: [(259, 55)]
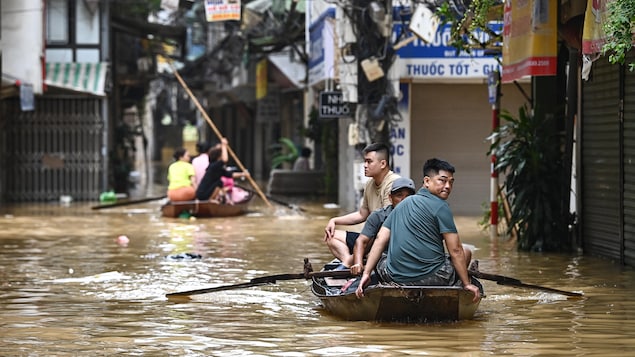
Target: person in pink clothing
[(201, 161), (228, 187)]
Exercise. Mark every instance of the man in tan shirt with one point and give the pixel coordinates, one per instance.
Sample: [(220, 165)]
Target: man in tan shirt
[(376, 195)]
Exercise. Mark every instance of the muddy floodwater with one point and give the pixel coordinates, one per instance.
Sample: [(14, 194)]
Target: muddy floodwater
[(69, 287)]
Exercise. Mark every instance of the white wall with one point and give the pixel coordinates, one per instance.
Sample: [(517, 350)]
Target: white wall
[(22, 41)]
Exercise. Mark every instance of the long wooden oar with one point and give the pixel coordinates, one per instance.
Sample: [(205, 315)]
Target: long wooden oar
[(269, 279), (278, 201), (218, 133), (128, 202), (505, 280)]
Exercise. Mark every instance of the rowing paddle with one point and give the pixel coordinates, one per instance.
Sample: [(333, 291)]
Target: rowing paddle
[(129, 202), (273, 199), (505, 280), (270, 279)]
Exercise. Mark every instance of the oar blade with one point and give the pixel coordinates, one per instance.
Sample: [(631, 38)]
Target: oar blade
[(547, 289), (276, 200), (263, 280), (216, 288), (508, 281), (127, 203)]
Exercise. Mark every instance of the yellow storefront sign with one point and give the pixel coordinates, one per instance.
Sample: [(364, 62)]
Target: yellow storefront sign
[(530, 37)]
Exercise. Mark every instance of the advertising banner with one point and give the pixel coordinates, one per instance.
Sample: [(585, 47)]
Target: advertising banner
[(261, 78), (530, 39), (322, 51), (593, 36), (222, 10), (400, 134), (438, 60)]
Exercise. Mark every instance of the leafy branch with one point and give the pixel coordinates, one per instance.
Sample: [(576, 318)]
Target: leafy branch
[(475, 18), (618, 27)]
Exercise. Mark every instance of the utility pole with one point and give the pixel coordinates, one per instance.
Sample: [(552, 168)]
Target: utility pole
[(494, 90)]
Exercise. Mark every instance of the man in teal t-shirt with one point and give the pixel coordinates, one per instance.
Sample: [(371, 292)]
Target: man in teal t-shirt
[(415, 232)]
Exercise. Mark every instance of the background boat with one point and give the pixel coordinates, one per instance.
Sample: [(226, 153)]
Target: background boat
[(240, 197)]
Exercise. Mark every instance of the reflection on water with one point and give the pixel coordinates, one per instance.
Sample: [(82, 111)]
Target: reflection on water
[(69, 288)]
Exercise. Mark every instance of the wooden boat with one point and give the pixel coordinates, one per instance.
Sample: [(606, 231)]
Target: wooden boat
[(396, 303), (197, 208)]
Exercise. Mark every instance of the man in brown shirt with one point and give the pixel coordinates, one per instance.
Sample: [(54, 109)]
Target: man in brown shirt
[(376, 195)]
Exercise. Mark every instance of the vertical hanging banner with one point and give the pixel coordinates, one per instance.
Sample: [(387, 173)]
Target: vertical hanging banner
[(261, 78), (593, 37), (222, 10), (530, 36), (400, 134)]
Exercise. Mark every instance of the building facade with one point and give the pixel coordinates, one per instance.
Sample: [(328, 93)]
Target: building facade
[(54, 105), (441, 98)]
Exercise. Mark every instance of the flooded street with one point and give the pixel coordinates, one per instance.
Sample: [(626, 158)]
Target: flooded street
[(70, 289)]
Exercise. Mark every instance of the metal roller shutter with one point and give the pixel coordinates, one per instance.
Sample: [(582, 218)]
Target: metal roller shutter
[(629, 166), (601, 223), (452, 121)]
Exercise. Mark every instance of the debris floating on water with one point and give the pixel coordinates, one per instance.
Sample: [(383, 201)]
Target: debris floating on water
[(123, 240)]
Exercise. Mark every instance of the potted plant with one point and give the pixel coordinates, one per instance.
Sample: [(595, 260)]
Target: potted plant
[(529, 154)]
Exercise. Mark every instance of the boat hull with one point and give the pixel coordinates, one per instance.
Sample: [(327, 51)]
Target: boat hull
[(201, 209), (398, 303)]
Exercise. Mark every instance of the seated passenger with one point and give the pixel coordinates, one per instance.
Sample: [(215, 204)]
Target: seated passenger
[(302, 162), (228, 188), (376, 196), (211, 187), (415, 234), (181, 184), (201, 161), (401, 188)]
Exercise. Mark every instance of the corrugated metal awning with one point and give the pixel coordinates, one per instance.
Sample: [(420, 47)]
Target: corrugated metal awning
[(287, 73), (82, 77)]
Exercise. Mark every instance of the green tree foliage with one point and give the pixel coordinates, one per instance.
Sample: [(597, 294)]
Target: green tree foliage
[(619, 30), (476, 18)]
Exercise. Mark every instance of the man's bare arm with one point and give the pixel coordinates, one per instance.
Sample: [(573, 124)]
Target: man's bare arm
[(455, 248)]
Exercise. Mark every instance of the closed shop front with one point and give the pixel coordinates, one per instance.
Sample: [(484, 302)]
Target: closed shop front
[(452, 121), (629, 167), (54, 151), (608, 167)]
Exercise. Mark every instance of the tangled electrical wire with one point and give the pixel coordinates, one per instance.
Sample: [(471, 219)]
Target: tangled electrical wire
[(377, 108)]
